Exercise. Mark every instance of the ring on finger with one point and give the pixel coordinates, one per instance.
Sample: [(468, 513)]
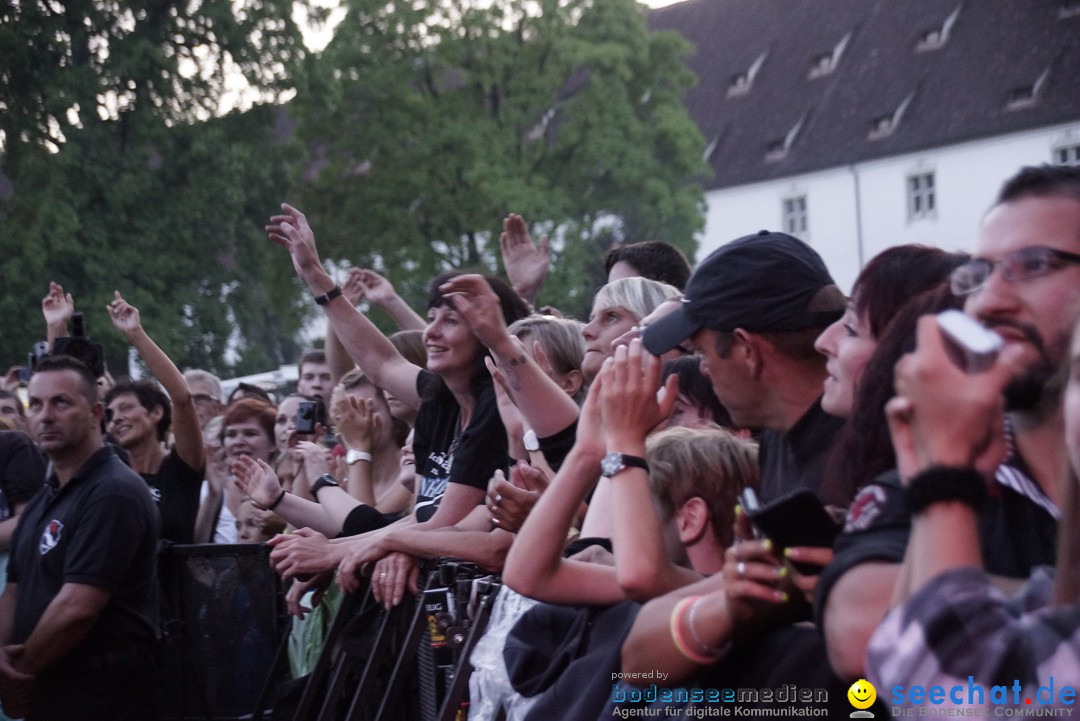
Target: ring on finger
[(498, 498), (382, 575), (740, 569)]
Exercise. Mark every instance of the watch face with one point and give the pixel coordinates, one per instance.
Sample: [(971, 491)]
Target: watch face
[(611, 464)]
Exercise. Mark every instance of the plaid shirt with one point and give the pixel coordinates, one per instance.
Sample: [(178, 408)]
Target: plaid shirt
[(959, 626)]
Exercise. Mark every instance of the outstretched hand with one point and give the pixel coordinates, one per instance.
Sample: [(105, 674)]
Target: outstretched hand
[(257, 479), (124, 315), (291, 231), (357, 421), (57, 306), (526, 264), (372, 286)]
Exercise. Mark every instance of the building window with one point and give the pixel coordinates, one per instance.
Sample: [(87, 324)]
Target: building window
[(936, 37), (921, 201), (1067, 155), (825, 63), (740, 83), (1027, 95), (795, 216)]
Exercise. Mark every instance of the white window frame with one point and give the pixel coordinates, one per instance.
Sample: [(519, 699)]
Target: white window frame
[(921, 190), (1067, 154), (794, 216)]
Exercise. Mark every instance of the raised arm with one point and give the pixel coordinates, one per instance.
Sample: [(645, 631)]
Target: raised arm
[(546, 408), (381, 293), (947, 428), (631, 410), (185, 418), (371, 350), (57, 308), (535, 566), (526, 264), (256, 479)]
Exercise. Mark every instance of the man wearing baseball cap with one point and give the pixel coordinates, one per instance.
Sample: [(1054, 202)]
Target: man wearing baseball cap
[(752, 310)]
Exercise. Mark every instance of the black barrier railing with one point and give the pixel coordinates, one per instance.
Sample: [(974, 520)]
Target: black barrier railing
[(406, 664), (224, 625)]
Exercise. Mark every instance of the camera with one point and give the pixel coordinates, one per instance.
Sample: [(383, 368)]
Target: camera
[(306, 416), (78, 345)]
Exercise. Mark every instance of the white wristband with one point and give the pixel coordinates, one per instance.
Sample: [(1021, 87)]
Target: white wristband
[(353, 456)]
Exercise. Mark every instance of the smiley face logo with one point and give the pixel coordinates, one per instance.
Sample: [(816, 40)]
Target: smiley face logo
[(862, 694)]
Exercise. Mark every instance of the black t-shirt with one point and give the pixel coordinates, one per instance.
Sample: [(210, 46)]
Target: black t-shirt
[(447, 454), (1016, 533), (796, 459), (100, 529), (176, 487), (22, 470)]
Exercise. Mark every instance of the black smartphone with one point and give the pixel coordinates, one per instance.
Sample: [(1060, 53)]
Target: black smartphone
[(305, 417), (797, 519)]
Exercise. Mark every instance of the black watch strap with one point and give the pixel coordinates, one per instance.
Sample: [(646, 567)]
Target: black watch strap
[(942, 483), (615, 462), (328, 295), (322, 482)]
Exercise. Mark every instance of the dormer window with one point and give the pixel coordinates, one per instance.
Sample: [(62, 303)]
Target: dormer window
[(741, 82), (778, 149), (885, 125), (936, 37), (825, 63), (1027, 95)]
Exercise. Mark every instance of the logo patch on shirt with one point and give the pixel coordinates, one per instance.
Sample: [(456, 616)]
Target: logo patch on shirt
[(866, 507), (51, 536)]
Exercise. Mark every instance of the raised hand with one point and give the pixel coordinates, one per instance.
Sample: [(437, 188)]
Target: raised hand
[(526, 264), (630, 403), (356, 421), (124, 315), (477, 303), (291, 231), (57, 306), (257, 479)]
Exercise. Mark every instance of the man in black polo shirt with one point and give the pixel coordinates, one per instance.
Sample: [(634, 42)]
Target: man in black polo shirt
[(753, 310), (77, 618)]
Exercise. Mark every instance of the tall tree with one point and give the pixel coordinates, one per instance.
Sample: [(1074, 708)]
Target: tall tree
[(116, 180), (430, 120)]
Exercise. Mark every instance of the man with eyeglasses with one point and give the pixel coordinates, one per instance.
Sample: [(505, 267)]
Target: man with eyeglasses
[(1024, 283)]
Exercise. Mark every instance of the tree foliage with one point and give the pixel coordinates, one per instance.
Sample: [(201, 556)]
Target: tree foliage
[(430, 120), (417, 130), (119, 182)]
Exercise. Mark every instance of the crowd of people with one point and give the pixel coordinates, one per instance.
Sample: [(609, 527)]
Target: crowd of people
[(727, 477)]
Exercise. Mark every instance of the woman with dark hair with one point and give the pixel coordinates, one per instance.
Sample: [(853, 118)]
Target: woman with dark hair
[(459, 441), (697, 405)]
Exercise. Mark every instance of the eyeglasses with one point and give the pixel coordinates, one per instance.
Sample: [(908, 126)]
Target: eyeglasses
[(1023, 264)]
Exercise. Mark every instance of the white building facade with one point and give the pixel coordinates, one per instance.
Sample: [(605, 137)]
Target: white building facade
[(851, 213)]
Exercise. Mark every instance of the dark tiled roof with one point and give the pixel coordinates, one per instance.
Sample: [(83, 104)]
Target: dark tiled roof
[(958, 92)]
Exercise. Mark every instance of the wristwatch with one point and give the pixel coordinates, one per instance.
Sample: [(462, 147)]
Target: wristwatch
[(615, 462), (352, 456), (322, 482)]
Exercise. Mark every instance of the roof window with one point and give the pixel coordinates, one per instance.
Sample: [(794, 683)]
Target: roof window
[(826, 63), (937, 36), (1027, 95), (885, 125), (778, 149), (741, 82)]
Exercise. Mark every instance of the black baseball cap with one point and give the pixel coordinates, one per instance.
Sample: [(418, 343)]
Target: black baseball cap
[(760, 283)]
